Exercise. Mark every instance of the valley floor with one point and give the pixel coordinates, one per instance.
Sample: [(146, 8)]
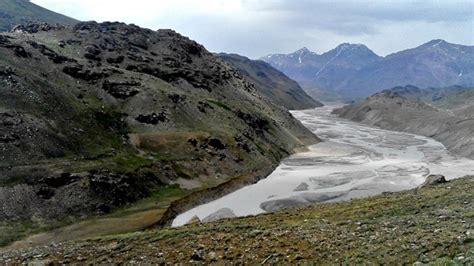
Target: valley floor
[(432, 224)]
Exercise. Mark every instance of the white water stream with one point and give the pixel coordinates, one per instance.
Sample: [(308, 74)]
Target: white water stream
[(353, 161)]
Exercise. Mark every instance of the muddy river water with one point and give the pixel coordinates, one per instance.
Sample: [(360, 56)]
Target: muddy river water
[(354, 160)]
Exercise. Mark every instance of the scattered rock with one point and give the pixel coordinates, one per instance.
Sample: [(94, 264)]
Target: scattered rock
[(212, 256), (118, 189), (255, 122), (45, 192), (60, 180), (18, 50), (216, 143), (52, 55), (194, 220), (197, 256), (223, 213), (116, 60), (74, 42), (194, 142), (302, 187), (34, 27), (121, 90), (177, 98), (204, 106), (78, 71), (432, 180), (92, 52), (153, 119)]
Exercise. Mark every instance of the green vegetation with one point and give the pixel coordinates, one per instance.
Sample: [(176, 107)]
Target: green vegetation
[(128, 163), (220, 104), (129, 218), (428, 225)]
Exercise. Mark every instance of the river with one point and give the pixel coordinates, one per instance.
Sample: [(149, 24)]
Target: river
[(353, 160)]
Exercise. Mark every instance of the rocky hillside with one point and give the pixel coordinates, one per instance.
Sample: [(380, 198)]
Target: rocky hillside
[(354, 71), (399, 109), (15, 12), (434, 96), (272, 83), (458, 101), (435, 227), (96, 116)]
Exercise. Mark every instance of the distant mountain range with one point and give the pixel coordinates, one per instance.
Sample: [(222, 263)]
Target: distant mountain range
[(14, 12), (352, 71)]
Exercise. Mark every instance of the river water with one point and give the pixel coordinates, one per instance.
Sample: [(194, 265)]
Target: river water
[(354, 160)]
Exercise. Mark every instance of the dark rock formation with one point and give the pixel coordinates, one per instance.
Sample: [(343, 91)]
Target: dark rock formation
[(121, 90), (432, 180), (153, 118)]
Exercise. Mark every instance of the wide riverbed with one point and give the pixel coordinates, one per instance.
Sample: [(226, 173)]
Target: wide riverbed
[(353, 161)]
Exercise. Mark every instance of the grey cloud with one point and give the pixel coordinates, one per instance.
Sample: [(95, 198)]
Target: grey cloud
[(282, 26), (421, 10)]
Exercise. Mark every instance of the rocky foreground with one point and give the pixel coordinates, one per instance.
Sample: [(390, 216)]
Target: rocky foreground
[(430, 224)]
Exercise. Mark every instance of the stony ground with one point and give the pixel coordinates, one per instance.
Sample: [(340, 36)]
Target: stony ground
[(434, 224)]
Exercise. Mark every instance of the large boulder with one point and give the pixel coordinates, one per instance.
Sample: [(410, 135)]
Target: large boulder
[(432, 180), (224, 213)]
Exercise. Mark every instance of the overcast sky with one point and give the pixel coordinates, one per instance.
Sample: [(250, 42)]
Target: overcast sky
[(259, 27)]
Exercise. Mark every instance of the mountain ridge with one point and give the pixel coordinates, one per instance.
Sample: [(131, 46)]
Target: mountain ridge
[(273, 83), (334, 75), (15, 12)]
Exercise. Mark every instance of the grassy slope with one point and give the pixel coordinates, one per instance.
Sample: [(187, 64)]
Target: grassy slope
[(432, 224), (14, 12), (131, 218)]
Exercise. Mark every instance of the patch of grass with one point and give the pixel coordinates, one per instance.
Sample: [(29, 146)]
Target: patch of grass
[(130, 162), (220, 104), (160, 197), (129, 218)]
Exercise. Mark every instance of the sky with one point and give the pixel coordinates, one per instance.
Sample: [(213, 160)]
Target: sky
[(255, 28)]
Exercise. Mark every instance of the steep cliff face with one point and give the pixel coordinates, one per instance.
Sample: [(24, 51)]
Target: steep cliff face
[(96, 115)]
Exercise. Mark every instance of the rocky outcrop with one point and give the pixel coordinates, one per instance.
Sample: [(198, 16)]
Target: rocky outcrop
[(224, 213), (432, 180)]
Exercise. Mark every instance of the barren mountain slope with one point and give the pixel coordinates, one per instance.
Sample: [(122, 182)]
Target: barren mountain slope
[(390, 110)]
